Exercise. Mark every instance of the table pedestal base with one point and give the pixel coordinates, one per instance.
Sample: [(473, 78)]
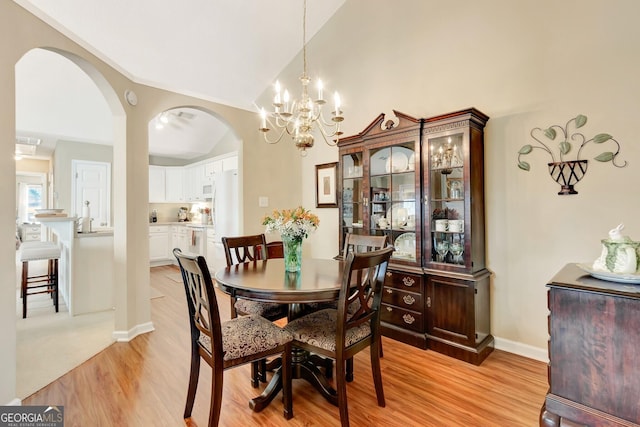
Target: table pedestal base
[(303, 366)]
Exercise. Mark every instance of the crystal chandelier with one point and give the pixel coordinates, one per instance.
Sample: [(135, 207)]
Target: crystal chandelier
[(297, 118)]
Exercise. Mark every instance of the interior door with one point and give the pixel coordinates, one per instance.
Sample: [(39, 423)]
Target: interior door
[(92, 183)]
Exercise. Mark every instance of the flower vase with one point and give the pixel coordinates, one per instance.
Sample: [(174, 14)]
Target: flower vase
[(292, 248)]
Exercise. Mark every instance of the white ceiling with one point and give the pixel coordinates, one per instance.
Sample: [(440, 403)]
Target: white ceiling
[(227, 51)]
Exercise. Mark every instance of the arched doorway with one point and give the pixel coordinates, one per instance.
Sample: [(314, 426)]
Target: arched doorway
[(61, 98)]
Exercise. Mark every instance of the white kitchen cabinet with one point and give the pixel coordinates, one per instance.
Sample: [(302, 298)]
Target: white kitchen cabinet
[(230, 163), (194, 180), (212, 168), (159, 251), (174, 184), (157, 184), (179, 238)]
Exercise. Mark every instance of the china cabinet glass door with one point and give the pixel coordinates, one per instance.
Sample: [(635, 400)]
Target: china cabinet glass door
[(447, 214), (352, 220), (392, 195)]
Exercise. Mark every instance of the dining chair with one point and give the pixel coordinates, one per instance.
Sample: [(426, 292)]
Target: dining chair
[(339, 334), (361, 243), (243, 249), (228, 344)]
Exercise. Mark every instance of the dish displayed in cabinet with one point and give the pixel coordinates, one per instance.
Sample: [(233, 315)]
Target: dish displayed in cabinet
[(405, 245), (398, 162)]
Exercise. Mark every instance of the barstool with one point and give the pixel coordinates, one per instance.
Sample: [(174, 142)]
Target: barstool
[(44, 283)]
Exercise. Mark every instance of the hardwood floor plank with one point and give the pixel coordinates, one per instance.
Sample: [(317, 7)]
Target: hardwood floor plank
[(144, 383)]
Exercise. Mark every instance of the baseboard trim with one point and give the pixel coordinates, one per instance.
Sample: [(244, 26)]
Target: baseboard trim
[(126, 336), (15, 402), (521, 349)]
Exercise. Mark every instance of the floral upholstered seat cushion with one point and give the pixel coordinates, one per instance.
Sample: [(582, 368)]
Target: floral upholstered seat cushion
[(319, 329), (268, 310), (248, 335)]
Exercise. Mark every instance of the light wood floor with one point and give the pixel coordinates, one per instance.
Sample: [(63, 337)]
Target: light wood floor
[(144, 383)]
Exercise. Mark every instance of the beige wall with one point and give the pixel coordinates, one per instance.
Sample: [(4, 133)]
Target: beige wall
[(33, 165), (525, 64)]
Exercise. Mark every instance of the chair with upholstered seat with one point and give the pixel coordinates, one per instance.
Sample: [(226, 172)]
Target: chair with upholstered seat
[(243, 249), (40, 283), (341, 333), (225, 345)]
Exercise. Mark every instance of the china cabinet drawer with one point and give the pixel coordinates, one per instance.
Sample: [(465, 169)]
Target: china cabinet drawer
[(404, 281), (404, 299), (406, 319)]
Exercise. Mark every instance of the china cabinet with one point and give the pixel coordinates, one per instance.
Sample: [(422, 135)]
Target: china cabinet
[(414, 180)]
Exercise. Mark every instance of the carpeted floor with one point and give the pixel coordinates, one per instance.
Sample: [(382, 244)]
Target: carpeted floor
[(50, 344)]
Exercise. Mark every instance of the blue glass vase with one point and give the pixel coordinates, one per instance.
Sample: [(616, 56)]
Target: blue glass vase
[(292, 247)]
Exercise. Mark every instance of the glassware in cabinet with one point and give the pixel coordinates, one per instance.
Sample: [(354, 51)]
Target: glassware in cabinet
[(454, 191)]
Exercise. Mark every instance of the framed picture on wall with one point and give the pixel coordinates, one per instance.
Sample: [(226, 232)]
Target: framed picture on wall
[(326, 177)]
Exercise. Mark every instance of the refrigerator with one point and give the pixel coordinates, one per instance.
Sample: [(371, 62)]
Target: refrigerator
[(226, 203)]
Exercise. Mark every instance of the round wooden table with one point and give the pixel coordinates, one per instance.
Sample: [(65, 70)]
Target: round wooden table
[(318, 281)]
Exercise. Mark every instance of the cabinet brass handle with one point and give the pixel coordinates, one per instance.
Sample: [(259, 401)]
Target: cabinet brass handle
[(409, 319), (428, 302), (389, 291), (408, 281), (408, 299), (389, 274), (389, 309)]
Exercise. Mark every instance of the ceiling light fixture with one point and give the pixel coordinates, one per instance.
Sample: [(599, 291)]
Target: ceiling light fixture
[(298, 117)]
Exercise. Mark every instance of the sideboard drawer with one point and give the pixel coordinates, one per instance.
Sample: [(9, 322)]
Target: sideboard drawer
[(400, 298), (404, 281), (407, 319)]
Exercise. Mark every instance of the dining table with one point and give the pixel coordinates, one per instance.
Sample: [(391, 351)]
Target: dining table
[(318, 281)]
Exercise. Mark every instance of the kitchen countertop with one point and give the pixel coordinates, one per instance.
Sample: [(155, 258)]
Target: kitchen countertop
[(185, 223)]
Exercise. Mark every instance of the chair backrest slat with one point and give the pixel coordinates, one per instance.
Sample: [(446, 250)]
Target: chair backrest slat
[(243, 249), (363, 243), (204, 316), (362, 284)]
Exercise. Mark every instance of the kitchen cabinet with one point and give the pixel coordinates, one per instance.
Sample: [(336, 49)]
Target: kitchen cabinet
[(229, 163), (212, 168), (414, 180), (159, 248), (157, 186), (174, 184), (194, 176), (179, 237), (211, 243)]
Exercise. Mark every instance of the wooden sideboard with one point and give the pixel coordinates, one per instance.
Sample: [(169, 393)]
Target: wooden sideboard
[(594, 352)]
